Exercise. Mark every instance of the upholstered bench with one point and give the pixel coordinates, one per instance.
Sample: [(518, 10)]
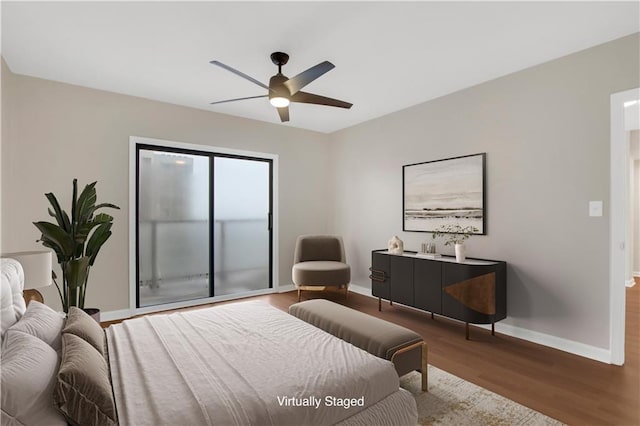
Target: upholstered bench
[(403, 347)]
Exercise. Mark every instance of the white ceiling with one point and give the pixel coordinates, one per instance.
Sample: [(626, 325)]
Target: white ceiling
[(388, 56)]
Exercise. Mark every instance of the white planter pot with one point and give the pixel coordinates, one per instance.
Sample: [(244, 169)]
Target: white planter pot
[(460, 254)]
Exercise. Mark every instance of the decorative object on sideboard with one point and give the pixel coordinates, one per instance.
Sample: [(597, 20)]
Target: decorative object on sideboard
[(456, 235), (37, 272), (444, 191), (428, 250), (395, 245), (76, 240)]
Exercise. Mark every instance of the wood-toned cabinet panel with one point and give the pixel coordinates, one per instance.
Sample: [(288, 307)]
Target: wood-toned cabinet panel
[(427, 276), (474, 299)]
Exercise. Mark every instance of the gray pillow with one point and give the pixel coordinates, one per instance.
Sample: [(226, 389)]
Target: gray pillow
[(83, 389), (41, 321), (28, 377), (85, 327)]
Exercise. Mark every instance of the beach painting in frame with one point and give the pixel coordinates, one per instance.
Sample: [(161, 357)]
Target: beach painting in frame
[(444, 192)]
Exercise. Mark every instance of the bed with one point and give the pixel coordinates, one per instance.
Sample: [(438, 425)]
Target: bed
[(236, 364)]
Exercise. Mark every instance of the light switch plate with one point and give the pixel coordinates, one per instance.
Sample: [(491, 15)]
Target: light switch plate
[(595, 208)]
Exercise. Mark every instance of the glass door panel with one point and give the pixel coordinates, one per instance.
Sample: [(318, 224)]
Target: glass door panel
[(242, 238), (173, 227)]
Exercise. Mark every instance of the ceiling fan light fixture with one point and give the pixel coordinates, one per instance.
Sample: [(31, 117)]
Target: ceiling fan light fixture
[(279, 101)]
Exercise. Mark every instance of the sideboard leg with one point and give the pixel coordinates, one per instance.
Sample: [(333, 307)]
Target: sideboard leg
[(431, 315), (379, 304), (493, 327), (390, 302), (466, 330)]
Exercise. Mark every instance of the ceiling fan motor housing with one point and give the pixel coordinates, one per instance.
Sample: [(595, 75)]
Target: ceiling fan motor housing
[(277, 87)]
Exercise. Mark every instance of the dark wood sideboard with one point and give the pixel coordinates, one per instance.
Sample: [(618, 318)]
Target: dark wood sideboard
[(473, 291)]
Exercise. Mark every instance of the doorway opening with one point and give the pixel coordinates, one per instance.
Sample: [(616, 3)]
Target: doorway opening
[(622, 107)]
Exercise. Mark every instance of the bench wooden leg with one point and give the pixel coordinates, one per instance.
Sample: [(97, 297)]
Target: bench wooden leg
[(424, 364), (425, 368), (298, 294)]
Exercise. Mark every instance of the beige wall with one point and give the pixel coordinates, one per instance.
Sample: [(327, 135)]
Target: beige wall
[(54, 132), (545, 131), (546, 134)]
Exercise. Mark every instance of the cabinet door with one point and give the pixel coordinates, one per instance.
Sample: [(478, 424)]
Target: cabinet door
[(454, 273), (402, 279), (427, 278), (380, 270)]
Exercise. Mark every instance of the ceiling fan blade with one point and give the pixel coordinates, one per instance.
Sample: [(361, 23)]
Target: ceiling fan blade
[(310, 98), (284, 113), (238, 99), (238, 73), (296, 83)]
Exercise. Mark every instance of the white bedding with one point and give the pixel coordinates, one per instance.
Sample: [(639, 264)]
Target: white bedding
[(234, 364)]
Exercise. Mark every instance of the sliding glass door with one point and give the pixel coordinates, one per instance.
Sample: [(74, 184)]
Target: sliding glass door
[(203, 225), (241, 232)]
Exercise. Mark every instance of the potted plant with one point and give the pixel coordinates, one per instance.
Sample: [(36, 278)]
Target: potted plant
[(457, 235), (76, 240)]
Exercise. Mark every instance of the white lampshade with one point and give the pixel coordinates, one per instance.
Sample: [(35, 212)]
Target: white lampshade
[(36, 266)]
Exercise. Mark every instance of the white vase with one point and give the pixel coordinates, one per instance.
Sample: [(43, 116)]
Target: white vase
[(460, 255)]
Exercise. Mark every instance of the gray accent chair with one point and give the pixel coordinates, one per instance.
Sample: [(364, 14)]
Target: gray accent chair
[(319, 261)]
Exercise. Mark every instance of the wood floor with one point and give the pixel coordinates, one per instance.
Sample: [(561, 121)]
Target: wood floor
[(572, 389)]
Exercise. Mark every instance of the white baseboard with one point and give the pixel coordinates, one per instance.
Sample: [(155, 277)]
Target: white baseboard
[(565, 345), (285, 288), (115, 315), (636, 274), (365, 291), (630, 283)]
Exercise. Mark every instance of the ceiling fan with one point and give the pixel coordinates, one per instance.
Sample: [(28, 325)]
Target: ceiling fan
[(283, 90)]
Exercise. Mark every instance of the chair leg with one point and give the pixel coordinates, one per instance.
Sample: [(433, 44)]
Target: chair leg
[(346, 292), (298, 294)]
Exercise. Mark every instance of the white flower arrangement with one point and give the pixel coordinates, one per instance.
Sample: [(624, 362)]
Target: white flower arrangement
[(454, 234)]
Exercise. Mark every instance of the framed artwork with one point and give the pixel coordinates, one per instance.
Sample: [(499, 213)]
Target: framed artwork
[(444, 192)]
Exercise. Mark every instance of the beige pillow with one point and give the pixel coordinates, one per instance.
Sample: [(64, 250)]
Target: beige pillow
[(85, 327), (41, 321), (83, 390), (28, 376)]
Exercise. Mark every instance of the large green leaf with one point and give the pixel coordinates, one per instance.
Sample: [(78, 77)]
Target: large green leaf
[(56, 249), (77, 270), (85, 204), (83, 231), (58, 213), (105, 205), (97, 239), (57, 237)]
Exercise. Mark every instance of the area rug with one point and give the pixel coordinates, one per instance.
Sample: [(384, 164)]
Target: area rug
[(454, 401)]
